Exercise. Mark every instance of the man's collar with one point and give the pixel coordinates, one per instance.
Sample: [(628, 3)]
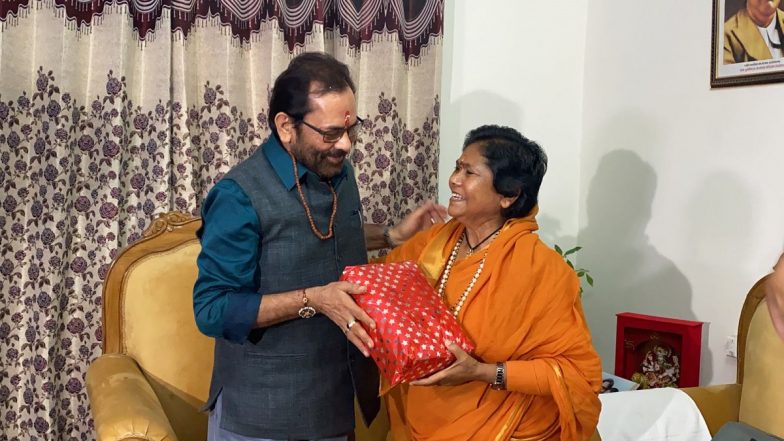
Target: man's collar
[(280, 160)]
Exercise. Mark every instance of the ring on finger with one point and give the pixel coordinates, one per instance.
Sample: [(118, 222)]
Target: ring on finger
[(351, 323)]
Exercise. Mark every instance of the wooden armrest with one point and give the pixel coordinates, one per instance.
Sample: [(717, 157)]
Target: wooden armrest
[(718, 404), (124, 406)]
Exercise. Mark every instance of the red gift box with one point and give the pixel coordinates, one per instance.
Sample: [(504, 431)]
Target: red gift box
[(412, 323)]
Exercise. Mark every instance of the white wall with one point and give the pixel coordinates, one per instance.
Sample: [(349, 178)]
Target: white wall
[(680, 192), (502, 64), (678, 186)]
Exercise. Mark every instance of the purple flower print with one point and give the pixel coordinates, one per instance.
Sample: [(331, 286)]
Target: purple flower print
[(39, 146), (207, 155), (20, 166), (27, 396), (44, 300), (59, 362), (75, 326), (223, 120), (209, 95), (379, 216), (53, 109), (23, 102), (140, 122), (39, 363), (108, 210), (78, 265), (82, 204), (408, 137), (384, 106), (113, 86), (382, 162), (30, 334), (137, 181), (41, 82), (13, 140), (148, 207), (41, 426), (37, 209), (9, 204), (50, 173), (86, 143), (407, 190)]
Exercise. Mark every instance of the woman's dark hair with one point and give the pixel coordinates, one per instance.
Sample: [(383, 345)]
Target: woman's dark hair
[(518, 165), (291, 91)]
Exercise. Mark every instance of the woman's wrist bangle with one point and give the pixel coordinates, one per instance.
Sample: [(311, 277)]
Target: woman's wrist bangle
[(387, 239)]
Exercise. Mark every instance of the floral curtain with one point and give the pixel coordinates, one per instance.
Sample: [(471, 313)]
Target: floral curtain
[(112, 112)]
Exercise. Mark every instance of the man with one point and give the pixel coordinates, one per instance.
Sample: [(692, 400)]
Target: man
[(754, 33), (775, 296), (278, 230)]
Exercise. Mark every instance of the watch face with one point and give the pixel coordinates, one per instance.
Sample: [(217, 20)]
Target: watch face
[(307, 312)]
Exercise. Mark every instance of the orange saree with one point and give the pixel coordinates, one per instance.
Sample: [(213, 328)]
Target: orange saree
[(524, 310)]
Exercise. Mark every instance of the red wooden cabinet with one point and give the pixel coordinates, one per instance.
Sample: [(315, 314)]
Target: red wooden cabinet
[(658, 351)]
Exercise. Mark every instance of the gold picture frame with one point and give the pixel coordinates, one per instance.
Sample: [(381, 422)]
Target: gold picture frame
[(741, 55)]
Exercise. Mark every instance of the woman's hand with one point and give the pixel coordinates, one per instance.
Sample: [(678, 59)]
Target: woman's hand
[(425, 216), (465, 369)]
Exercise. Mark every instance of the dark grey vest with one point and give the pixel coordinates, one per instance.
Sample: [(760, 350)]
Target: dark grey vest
[(296, 379)]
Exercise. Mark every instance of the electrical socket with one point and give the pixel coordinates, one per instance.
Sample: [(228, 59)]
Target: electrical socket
[(731, 346)]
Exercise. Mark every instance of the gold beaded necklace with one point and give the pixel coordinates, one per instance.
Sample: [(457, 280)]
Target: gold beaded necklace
[(445, 276), (316, 231)]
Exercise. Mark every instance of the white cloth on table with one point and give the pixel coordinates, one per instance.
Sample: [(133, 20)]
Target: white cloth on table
[(651, 415)]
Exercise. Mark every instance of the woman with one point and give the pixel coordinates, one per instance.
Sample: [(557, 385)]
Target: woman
[(534, 374)]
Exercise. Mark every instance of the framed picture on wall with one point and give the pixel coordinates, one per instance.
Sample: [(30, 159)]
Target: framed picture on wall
[(747, 42)]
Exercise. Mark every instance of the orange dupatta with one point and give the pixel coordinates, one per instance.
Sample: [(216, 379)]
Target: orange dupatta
[(524, 310)]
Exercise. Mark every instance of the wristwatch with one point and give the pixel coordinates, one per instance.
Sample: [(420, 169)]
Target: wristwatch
[(306, 311), (500, 377)]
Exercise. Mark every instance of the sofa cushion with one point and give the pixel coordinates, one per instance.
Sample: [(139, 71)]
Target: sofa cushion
[(160, 333), (763, 377)]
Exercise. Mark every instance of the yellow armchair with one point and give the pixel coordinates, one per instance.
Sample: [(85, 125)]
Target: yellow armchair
[(756, 398), (154, 374)]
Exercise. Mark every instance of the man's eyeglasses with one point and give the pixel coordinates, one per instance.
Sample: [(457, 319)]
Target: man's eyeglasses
[(331, 136)]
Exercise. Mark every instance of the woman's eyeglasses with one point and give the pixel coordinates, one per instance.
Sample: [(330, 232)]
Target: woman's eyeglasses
[(332, 136)]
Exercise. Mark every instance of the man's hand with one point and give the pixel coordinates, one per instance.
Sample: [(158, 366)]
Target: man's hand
[(425, 216), (774, 292), (466, 368), (334, 300)]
